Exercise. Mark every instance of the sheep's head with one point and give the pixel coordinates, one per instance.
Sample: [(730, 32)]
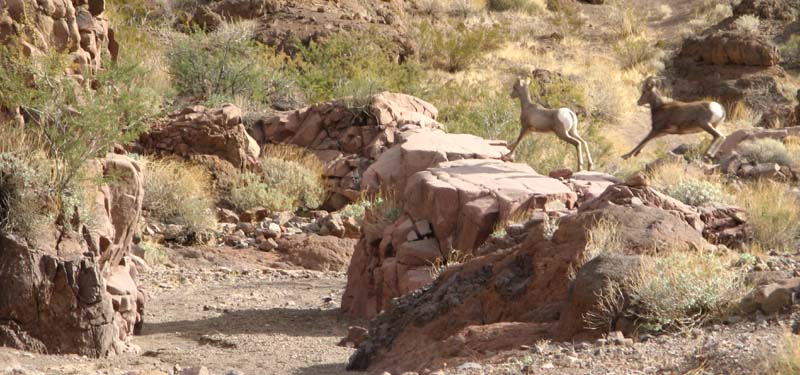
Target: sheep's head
[(519, 87), (649, 91)]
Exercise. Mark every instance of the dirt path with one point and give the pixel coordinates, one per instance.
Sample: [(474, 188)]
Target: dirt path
[(251, 320)]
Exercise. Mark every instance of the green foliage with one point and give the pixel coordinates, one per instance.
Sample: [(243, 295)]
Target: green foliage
[(766, 150), (179, 193), (455, 48), (633, 52), (21, 195), (561, 92), (227, 63), (356, 65), (506, 5), (76, 120), (281, 185), (696, 192), (790, 51)]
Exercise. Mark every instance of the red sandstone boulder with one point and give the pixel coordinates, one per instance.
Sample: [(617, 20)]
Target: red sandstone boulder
[(313, 252), (198, 130)]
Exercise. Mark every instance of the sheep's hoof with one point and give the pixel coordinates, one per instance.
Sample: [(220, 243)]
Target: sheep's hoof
[(507, 157)]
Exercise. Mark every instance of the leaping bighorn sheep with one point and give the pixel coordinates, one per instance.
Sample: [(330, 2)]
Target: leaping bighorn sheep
[(674, 117), (535, 118)]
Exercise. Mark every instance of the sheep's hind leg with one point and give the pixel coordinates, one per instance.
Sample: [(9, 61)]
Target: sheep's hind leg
[(563, 134), (712, 149), (590, 164)]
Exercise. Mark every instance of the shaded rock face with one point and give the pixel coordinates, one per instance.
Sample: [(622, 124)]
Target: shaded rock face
[(72, 26), (76, 292), (203, 132), (314, 20), (347, 141), (732, 66), (782, 10), (724, 48), (524, 288)]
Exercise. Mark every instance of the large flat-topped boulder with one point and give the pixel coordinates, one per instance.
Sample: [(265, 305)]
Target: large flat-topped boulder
[(464, 199), (424, 149)]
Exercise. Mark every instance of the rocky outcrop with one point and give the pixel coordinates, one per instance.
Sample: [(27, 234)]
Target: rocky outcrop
[(348, 141), (783, 10), (72, 26), (202, 132), (76, 292), (731, 48), (453, 205), (720, 224), (736, 138), (515, 295)]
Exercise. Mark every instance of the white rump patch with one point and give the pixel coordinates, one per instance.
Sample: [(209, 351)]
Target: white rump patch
[(566, 116), (718, 112)]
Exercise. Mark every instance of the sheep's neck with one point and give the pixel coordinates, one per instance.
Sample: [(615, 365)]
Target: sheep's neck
[(658, 101), (525, 99)]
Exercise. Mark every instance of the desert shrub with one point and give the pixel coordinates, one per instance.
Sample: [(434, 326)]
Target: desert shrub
[(634, 52), (227, 63), (773, 215), (664, 11), (630, 23), (279, 185), (766, 150), (682, 289), (21, 195), (741, 116), (696, 192), (74, 120), (790, 51), (455, 48), (566, 16), (179, 193), (358, 64), (748, 24), (519, 5), (154, 253)]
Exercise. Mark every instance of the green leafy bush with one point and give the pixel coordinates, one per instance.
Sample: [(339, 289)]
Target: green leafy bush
[(696, 192), (227, 63), (633, 52), (21, 195), (790, 51), (74, 120), (347, 65), (766, 150), (457, 47), (179, 193)]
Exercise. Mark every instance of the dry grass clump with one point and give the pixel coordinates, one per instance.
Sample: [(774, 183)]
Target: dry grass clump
[(740, 116), (442, 263), (790, 51), (530, 6), (786, 360), (154, 253), (179, 193), (688, 184), (748, 24), (767, 150), (640, 53), (678, 291), (603, 237), (773, 215)]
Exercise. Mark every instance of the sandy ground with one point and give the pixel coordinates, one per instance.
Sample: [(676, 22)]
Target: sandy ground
[(232, 317)]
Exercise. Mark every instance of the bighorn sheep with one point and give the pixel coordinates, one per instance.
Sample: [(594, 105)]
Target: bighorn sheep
[(674, 117), (535, 118)]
